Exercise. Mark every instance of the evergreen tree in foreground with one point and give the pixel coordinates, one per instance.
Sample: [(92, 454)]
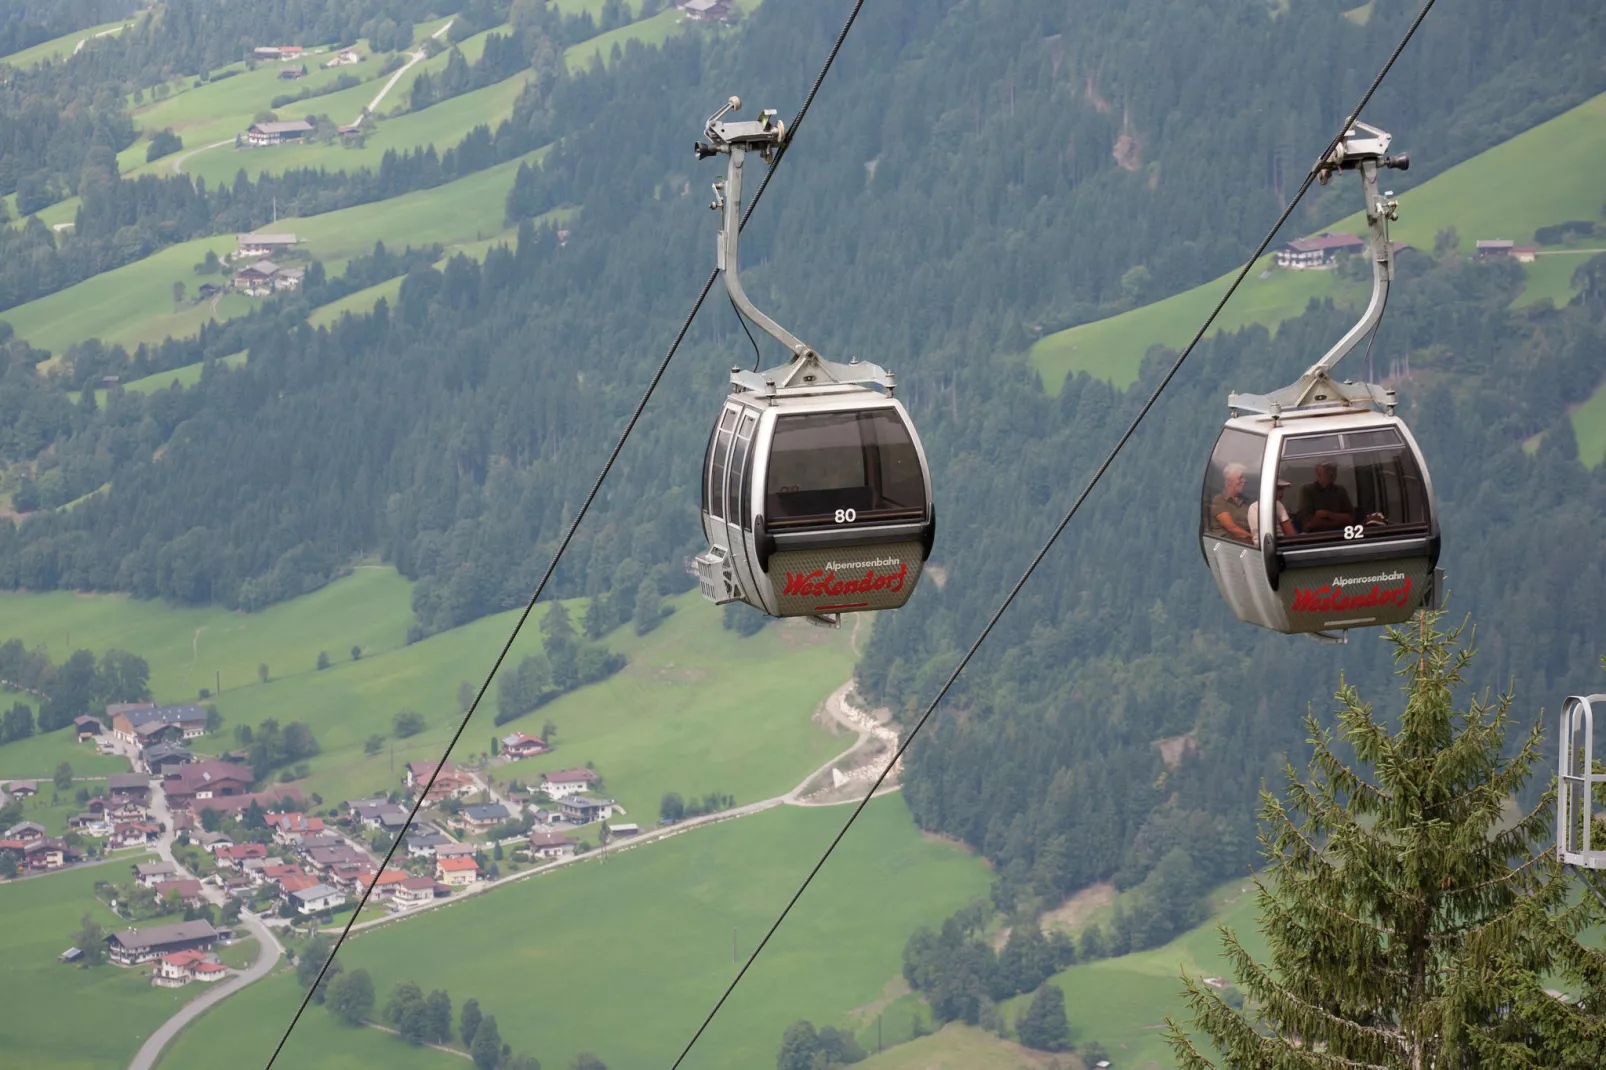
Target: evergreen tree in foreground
[(1404, 920)]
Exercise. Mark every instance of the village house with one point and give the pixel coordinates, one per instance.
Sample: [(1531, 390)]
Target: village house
[(325, 859), (23, 789), (1524, 254), (134, 833), (519, 745), (624, 831), (346, 57), (290, 74), (1493, 248), (234, 855), (260, 135), (413, 892), (48, 853), (450, 782), (292, 883), (200, 781), (548, 845), (137, 722), (211, 841), (26, 832), (257, 246), (181, 967), (423, 845), (379, 814), (150, 874), (584, 809), (1319, 252), (128, 787), (566, 782), (290, 828), (386, 883), (704, 10), (132, 947), (318, 897), (127, 810), (163, 759), (188, 890), (272, 52), (456, 850), (235, 805), (484, 816), (457, 872), (264, 277), (87, 727)]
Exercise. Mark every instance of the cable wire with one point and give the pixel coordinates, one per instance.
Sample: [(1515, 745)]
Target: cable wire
[(757, 358), (1047, 546), (568, 537)]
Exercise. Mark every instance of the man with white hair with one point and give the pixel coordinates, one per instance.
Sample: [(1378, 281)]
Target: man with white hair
[(1229, 510)]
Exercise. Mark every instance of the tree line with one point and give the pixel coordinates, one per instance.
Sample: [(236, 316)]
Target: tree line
[(80, 685)]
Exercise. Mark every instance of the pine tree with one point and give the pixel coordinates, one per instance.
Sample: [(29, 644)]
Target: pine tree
[(486, 1050), (1399, 912), (1044, 1027)]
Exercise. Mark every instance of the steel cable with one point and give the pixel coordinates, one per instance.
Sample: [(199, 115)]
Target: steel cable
[(1047, 546), (568, 537)]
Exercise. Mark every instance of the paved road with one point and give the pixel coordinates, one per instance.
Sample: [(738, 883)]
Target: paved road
[(267, 958), (269, 949)]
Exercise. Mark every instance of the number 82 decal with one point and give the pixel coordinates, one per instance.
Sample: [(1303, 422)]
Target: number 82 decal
[(1354, 531)]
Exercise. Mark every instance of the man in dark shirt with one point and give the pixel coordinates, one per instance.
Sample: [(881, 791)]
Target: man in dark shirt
[(1324, 505)]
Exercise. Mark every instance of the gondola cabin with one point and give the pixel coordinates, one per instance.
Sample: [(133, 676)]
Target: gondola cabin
[(1317, 522), (816, 501)]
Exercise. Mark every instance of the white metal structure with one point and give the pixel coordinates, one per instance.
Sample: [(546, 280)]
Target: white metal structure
[(1577, 783)]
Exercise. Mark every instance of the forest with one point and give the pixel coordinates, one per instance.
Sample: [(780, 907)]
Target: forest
[(1076, 166)]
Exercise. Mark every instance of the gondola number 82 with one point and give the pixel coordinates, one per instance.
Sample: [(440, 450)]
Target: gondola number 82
[(1354, 531), (846, 516)]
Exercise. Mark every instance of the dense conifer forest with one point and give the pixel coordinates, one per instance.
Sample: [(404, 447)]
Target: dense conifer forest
[(976, 174)]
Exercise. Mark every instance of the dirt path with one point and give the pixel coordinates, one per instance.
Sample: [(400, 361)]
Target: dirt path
[(178, 161), (373, 105)]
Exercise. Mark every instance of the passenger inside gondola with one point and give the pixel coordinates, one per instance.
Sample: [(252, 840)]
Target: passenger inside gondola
[(1285, 526), (1229, 509), (1324, 504)]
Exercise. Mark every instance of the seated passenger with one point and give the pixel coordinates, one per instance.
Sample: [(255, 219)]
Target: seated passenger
[(1284, 525), (1324, 505), (1229, 509)]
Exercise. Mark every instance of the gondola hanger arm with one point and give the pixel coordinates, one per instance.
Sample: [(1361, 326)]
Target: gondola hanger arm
[(765, 136), (1363, 148)]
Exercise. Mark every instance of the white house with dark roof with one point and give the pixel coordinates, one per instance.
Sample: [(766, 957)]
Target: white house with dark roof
[(318, 897), (256, 246), (566, 782), (262, 134), (134, 946)]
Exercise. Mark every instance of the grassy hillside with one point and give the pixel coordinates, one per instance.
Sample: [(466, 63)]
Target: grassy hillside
[(963, 1047), (189, 647), (62, 46), (134, 303), (624, 958), (697, 710), (1121, 1002), (36, 757), (48, 1005), (1500, 193)]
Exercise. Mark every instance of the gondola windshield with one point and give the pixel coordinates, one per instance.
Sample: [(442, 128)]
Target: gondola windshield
[(1232, 485), (1362, 484), (836, 468)]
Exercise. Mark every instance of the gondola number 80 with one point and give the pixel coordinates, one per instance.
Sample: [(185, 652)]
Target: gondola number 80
[(846, 516)]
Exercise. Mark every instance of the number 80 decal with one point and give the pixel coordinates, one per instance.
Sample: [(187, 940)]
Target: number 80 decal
[(846, 516)]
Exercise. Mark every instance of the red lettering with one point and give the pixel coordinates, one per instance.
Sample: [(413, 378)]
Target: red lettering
[(895, 583), (797, 583), (1334, 600)]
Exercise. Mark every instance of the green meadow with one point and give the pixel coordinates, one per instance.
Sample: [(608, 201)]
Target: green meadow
[(957, 1046), (1122, 1002), (61, 47), (625, 957), (694, 711), (189, 648), (51, 808), (1500, 193), (134, 303), (1589, 424), (65, 1017), (37, 757)]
